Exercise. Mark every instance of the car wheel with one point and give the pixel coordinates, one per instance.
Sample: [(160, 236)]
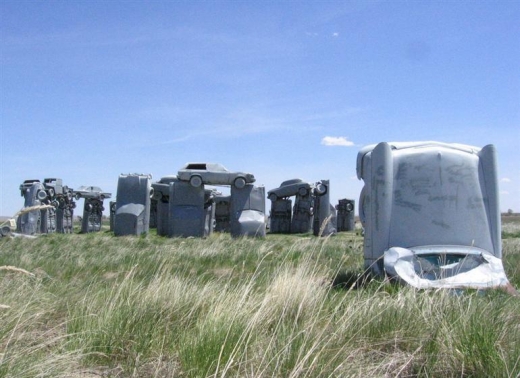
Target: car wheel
[(77, 196), (273, 197), (195, 181), (42, 195), (321, 189), (302, 192), (240, 182)]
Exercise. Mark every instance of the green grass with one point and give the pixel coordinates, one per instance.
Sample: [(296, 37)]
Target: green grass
[(284, 306)]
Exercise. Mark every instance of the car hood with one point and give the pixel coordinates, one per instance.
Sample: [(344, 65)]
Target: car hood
[(443, 266)]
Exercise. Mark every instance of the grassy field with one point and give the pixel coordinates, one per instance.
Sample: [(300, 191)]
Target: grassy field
[(284, 306)]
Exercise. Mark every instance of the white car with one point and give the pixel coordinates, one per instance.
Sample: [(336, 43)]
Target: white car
[(213, 174)]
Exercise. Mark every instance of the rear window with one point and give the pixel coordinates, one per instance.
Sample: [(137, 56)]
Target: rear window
[(196, 166)]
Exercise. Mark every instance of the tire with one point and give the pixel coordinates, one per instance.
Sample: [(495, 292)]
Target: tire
[(350, 207), (273, 197), (77, 196), (321, 189), (195, 181), (302, 192), (240, 182), (41, 195)]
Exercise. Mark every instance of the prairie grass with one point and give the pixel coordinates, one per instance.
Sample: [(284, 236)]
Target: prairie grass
[(510, 226), (284, 306)]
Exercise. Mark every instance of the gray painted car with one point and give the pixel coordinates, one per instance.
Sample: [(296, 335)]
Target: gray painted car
[(247, 211), (432, 201), (132, 215), (92, 208), (161, 195), (34, 194), (91, 192), (213, 174), (290, 188)]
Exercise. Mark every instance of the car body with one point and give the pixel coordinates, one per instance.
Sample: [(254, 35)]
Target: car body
[(93, 192), (54, 186), (27, 184), (161, 188), (430, 199), (161, 198), (132, 213), (92, 208), (280, 216), (35, 196), (247, 209), (324, 221), (290, 188), (213, 174), (222, 213)]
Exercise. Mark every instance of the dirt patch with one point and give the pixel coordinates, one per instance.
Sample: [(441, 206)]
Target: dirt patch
[(513, 218)]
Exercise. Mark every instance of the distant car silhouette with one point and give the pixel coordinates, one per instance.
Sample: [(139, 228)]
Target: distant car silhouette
[(91, 192), (213, 174)]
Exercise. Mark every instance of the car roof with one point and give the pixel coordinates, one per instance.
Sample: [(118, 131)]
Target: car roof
[(205, 166), (292, 181)]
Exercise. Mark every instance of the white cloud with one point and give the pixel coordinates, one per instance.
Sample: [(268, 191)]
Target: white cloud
[(335, 34), (336, 141), (505, 179), (504, 192)]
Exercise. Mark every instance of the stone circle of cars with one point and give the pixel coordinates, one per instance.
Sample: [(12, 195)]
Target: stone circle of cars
[(421, 202)]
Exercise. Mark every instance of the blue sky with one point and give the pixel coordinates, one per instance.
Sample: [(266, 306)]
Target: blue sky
[(93, 89)]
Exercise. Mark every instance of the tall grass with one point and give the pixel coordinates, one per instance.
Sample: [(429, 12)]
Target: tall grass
[(95, 305)]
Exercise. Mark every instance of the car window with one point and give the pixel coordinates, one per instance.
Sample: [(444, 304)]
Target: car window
[(196, 166)]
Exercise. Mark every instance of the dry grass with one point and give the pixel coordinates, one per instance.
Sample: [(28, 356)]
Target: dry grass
[(16, 270), (157, 307)]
